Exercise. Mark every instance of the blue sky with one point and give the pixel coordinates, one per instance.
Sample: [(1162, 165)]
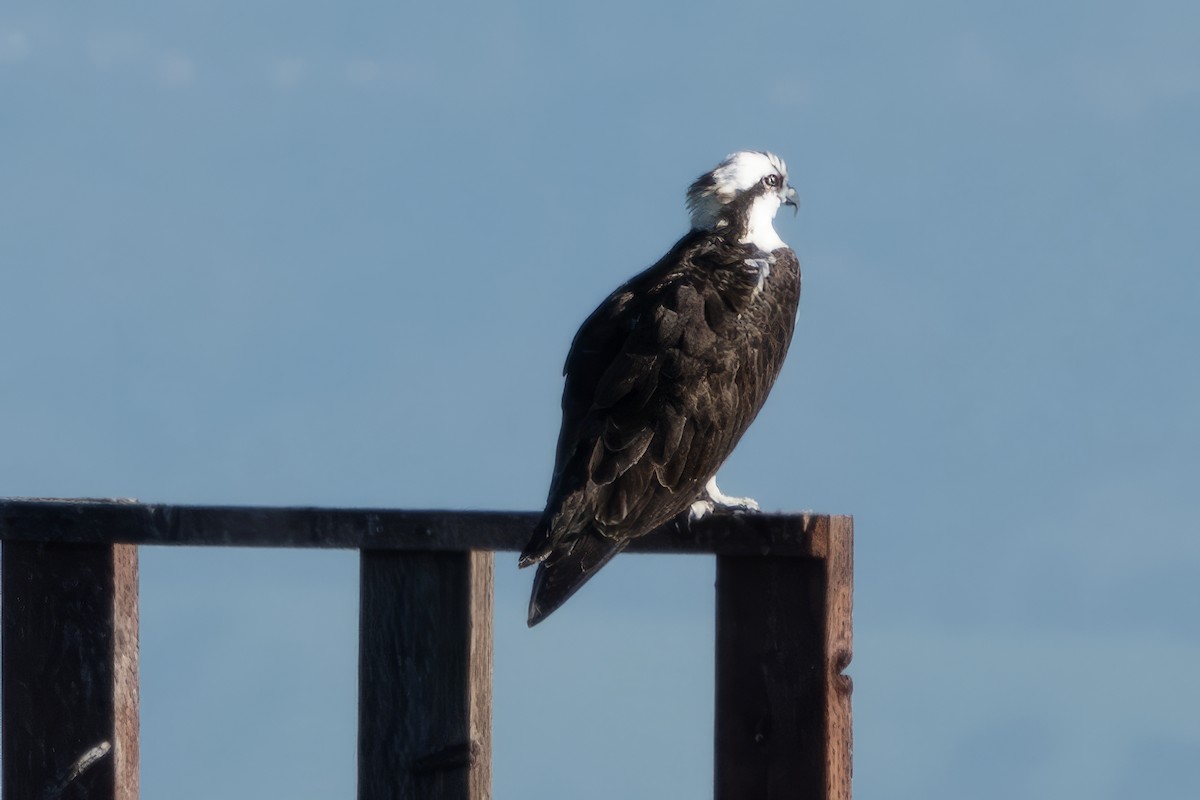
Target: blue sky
[(311, 253)]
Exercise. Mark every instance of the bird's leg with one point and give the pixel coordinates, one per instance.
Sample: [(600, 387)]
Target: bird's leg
[(713, 499)]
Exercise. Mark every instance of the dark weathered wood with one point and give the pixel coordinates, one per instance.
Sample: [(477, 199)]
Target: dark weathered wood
[(369, 529), (784, 605), (783, 639), (425, 676), (70, 669)]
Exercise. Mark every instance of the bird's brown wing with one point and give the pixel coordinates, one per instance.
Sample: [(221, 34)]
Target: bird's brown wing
[(661, 382)]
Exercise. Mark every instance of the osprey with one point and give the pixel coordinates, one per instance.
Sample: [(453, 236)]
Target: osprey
[(666, 375)]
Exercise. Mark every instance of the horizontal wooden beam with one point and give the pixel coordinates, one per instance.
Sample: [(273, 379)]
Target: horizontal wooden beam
[(125, 522)]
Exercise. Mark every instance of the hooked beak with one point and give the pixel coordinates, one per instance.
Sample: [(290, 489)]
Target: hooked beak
[(789, 199)]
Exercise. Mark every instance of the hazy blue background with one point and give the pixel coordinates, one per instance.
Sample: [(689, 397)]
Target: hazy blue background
[(331, 253)]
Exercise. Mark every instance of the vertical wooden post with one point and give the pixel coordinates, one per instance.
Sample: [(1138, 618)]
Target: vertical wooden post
[(70, 671), (783, 638), (425, 675), (839, 649)]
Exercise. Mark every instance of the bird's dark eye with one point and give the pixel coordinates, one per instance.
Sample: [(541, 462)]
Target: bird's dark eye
[(772, 181)]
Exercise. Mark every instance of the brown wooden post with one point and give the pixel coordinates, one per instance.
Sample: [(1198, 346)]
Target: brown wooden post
[(70, 664), (783, 638), (425, 675), (839, 649)]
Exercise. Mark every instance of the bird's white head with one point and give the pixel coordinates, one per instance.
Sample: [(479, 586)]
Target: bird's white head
[(743, 193)]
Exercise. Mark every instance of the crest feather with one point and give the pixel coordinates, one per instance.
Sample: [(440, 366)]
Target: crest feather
[(740, 171)]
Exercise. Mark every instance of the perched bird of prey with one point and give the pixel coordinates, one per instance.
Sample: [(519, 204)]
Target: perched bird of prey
[(666, 375)]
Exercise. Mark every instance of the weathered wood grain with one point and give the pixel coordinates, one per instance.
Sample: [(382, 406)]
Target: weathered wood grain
[(839, 649), (784, 606), (425, 676), (782, 705), (70, 665), (370, 529)]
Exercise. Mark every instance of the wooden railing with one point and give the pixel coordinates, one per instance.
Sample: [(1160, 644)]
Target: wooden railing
[(70, 642)]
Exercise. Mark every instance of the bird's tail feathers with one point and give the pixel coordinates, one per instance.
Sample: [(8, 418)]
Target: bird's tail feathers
[(560, 575), (539, 547)]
